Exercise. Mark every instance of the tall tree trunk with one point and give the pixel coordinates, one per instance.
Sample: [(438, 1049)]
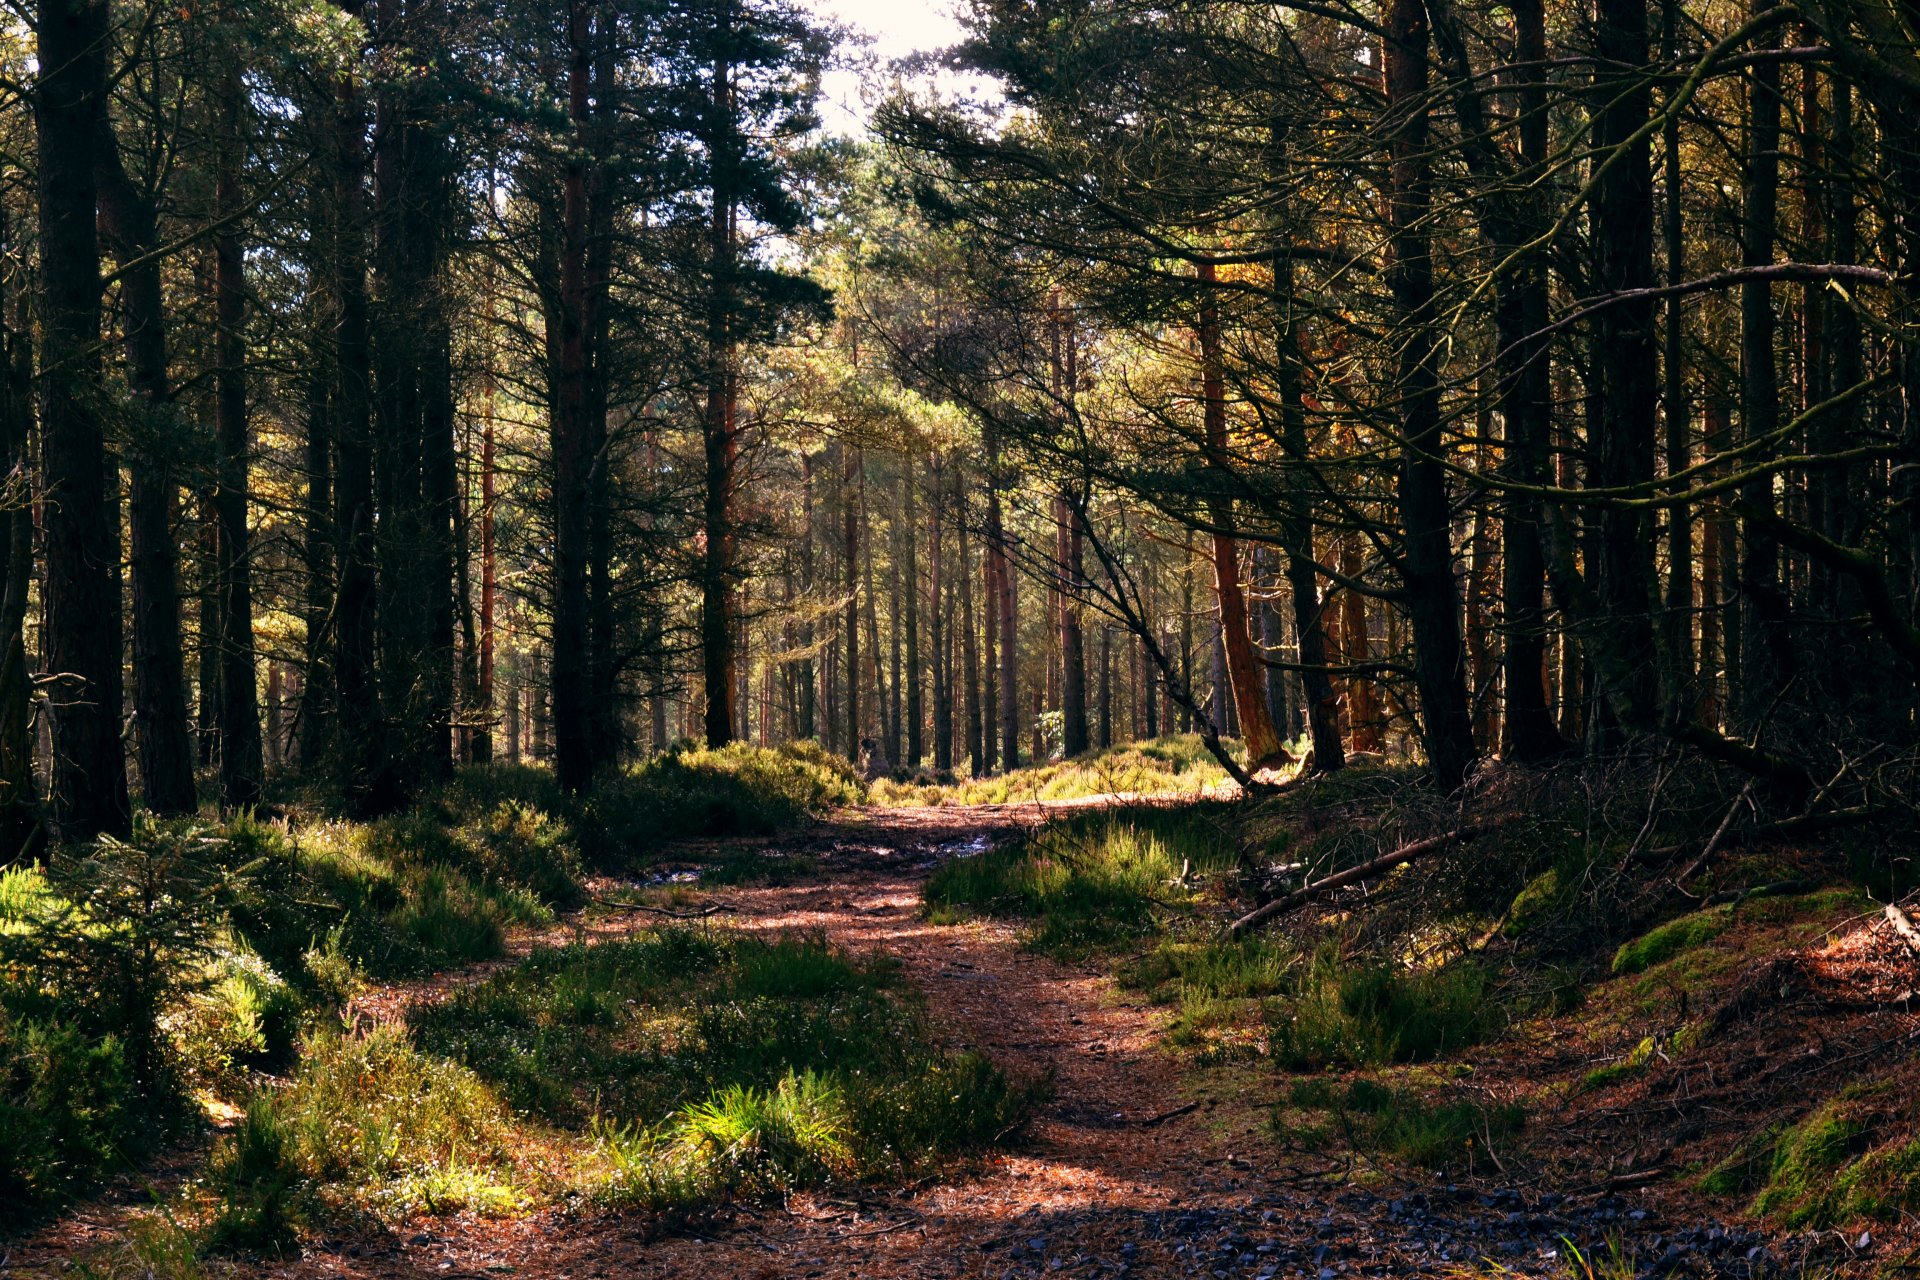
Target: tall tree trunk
[(162, 728), (916, 708), (1763, 605), (937, 617), (569, 361), (20, 831), (363, 737), (1248, 688), (970, 637), (82, 522), (241, 767), (1004, 588), (722, 437), (1432, 596), (850, 480), (1296, 532), (1677, 621)]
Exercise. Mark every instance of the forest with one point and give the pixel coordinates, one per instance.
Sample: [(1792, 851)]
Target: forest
[(1194, 638)]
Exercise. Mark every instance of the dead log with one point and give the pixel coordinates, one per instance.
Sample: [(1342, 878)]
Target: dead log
[(712, 908), (1903, 925), (1406, 853)]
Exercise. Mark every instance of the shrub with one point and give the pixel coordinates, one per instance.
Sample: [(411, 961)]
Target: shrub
[(67, 1111), (395, 1130), (1404, 1125), (1088, 882), (1174, 765), (704, 1063), (1373, 1013)]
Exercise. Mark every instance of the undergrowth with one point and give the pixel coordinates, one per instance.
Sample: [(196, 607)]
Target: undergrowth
[(1093, 881), (661, 1073), (138, 978), (1175, 765)]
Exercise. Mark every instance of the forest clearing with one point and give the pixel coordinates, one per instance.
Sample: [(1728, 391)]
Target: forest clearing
[(845, 638)]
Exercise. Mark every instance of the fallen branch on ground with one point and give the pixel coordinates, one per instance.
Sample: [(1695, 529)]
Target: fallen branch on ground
[(1903, 925), (712, 908), (1165, 1116), (1385, 862)]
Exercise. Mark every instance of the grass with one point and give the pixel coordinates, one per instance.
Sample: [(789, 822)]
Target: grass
[(1173, 765), (659, 1073), (1398, 1122), (705, 1063), (139, 979), (1090, 882), (1370, 1013)]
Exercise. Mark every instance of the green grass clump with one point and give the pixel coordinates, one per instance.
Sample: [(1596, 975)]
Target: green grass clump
[(704, 1063), (1633, 1064), (372, 1122), (1668, 940), (1398, 1122), (1175, 765), (1372, 1013), (737, 790), (1088, 882), (1215, 988)]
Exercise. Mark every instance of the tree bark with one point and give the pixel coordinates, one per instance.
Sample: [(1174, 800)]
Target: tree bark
[(241, 766), (162, 728), (1243, 672), (1432, 596), (82, 523)]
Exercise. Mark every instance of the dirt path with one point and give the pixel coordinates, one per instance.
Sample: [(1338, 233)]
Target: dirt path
[(1107, 1182)]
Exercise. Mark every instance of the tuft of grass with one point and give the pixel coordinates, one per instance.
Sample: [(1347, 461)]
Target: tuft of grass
[(737, 790), (370, 1121), (1373, 1013), (1214, 987), (1399, 1123), (1631, 1065), (703, 1063), (1174, 765), (1088, 882)]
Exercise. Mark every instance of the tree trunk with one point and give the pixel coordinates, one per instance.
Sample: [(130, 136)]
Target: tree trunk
[(161, 724), (82, 523), (1763, 605), (241, 767), (916, 708), (1004, 588), (970, 637), (850, 479), (1249, 689), (363, 736), (936, 593), (722, 438), (1432, 596)]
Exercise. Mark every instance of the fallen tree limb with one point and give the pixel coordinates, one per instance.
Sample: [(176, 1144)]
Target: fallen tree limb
[(1903, 925), (1720, 833), (1385, 862), (712, 908), (1164, 1116)]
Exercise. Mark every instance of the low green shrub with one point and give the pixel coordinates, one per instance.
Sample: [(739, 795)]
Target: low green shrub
[(1174, 765), (1372, 1013), (704, 1063), (737, 790), (371, 1120), (1402, 1123), (1087, 882)]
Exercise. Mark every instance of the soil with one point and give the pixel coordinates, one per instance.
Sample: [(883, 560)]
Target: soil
[(1137, 1167)]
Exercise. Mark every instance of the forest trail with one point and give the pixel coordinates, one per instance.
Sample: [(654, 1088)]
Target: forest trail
[(1122, 1173)]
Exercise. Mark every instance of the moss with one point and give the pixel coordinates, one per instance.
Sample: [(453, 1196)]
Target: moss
[(1670, 939), (1630, 1065)]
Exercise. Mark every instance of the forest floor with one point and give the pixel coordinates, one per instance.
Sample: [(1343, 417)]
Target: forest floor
[(1138, 1164)]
